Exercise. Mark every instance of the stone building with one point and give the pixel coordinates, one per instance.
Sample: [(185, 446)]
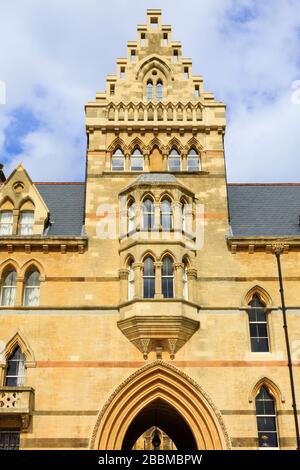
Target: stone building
[(146, 299)]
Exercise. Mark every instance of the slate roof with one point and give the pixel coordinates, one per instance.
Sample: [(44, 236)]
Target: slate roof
[(256, 210), (66, 205), (264, 210)]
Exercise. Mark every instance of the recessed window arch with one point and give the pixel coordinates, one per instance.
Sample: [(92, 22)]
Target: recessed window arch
[(159, 90), (174, 160), (148, 213), (15, 371), (137, 160), (193, 160), (118, 160), (9, 288), (32, 288), (166, 214), (130, 215), (266, 418), (6, 222), (258, 325), (149, 278), (167, 277), (131, 285), (149, 90)]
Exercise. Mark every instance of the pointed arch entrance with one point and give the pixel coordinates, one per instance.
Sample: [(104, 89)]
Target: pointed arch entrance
[(160, 394)]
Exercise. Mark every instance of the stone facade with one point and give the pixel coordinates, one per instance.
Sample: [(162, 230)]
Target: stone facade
[(99, 360)]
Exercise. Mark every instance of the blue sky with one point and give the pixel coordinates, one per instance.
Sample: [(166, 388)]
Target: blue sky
[(55, 55)]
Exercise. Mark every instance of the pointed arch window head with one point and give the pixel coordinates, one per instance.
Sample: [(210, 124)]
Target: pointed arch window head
[(266, 419), (159, 90), (137, 161), (258, 326), (118, 160), (174, 160), (15, 372), (149, 278), (166, 215), (193, 161), (167, 278), (149, 90), (148, 214), (9, 287), (32, 289), (26, 222), (131, 287), (6, 222)]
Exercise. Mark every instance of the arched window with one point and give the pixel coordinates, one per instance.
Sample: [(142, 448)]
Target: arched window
[(193, 161), (130, 216), (26, 222), (258, 326), (32, 289), (159, 90), (149, 278), (167, 278), (266, 419), (185, 285), (149, 90), (15, 372), (130, 281), (174, 160), (9, 287), (118, 161), (148, 214), (166, 214), (6, 223), (137, 161)]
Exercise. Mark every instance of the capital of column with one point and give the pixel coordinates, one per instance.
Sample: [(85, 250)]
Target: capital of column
[(123, 274), (192, 273)]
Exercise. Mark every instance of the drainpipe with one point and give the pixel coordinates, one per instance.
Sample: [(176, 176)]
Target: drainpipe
[(278, 249)]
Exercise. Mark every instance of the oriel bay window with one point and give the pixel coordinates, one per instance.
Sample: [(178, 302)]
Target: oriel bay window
[(15, 371), (266, 419), (8, 290), (167, 278), (130, 281), (148, 214), (258, 326), (166, 214), (130, 216), (149, 278), (32, 289)]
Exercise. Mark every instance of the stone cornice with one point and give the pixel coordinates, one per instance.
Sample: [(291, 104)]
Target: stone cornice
[(43, 243), (262, 244)]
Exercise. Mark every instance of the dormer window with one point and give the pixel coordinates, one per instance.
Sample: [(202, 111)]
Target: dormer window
[(186, 73), (122, 73), (133, 56), (143, 39), (6, 222), (175, 56), (26, 223), (165, 39)]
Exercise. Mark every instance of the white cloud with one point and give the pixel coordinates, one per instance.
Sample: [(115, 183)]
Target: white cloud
[(55, 55)]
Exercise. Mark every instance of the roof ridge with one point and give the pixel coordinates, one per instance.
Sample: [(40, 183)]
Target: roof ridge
[(59, 182), (263, 184)]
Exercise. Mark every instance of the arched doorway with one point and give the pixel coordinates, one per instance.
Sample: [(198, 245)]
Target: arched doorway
[(160, 415), (160, 394)]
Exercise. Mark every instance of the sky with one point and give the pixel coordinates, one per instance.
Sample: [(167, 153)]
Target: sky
[(55, 55)]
